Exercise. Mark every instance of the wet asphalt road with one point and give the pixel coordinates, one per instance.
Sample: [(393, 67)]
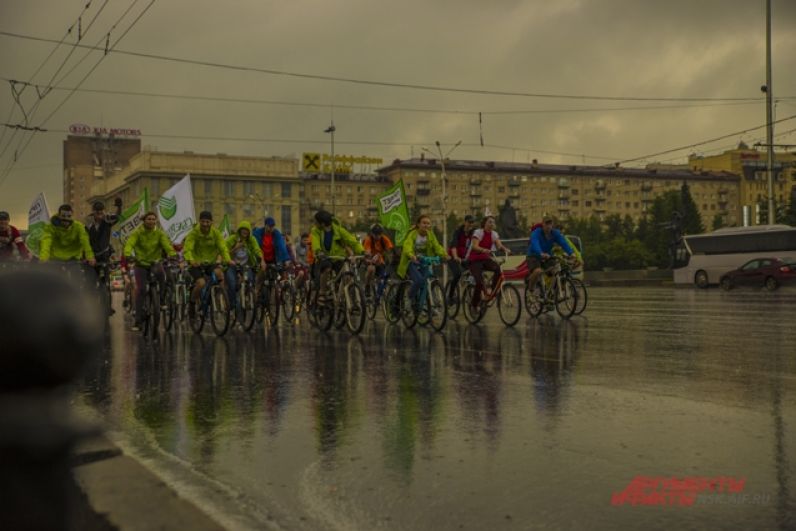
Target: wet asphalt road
[(482, 427)]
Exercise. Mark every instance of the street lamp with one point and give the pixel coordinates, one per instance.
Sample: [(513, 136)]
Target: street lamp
[(444, 186), (331, 129)]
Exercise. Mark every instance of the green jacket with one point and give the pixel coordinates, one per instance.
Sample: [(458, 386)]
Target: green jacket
[(432, 248), (148, 245), (340, 240), (65, 243), (255, 253), (204, 248)]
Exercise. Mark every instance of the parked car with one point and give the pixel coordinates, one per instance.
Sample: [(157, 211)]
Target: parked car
[(770, 273)]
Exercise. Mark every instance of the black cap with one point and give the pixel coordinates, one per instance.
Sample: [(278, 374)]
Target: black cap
[(377, 229), (206, 214), (4, 215), (323, 217), (469, 218), (98, 205)]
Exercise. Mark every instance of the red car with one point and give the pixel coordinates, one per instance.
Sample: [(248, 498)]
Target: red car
[(766, 272)]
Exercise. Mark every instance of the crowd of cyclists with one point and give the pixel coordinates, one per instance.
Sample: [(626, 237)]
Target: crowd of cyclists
[(257, 274)]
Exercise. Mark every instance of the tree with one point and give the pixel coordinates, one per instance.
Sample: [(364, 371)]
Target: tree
[(718, 221), (692, 220)]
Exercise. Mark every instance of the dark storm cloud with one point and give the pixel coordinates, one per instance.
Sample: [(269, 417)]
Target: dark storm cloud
[(608, 48)]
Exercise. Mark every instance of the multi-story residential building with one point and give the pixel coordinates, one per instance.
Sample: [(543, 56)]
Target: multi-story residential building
[(751, 164), (566, 191), (244, 188), (354, 196), (88, 159)]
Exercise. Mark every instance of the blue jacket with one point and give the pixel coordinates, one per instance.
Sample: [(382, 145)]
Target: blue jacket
[(539, 244), (279, 244)]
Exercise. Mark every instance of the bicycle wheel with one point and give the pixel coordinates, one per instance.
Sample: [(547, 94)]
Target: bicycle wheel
[(219, 310), (436, 306), (153, 311), (128, 297), (453, 301), (288, 300), (583, 296), (181, 301), (322, 311), (355, 310), (169, 310), (407, 305), (471, 313), (509, 304), (566, 298), (534, 299), (371, 304), (390, 304), (247, 306), (270, 305)]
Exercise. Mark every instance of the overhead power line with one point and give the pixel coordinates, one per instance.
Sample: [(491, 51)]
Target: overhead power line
[(392, 84), (426, 110), (692, 145)]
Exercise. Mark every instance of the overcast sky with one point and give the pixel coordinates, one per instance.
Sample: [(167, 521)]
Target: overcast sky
[(606, 48)]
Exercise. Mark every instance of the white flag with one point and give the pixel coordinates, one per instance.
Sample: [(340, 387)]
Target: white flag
[(38, 217), (176, 211)]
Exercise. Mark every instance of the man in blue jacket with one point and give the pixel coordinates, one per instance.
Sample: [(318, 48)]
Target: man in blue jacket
[(540, 247), (272, 243)]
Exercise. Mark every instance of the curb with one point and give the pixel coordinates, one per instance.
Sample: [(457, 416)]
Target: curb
[(114, 491)]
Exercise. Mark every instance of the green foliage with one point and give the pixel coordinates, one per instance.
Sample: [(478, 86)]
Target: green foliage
[(718, 222), (618, 253), (692, 220)]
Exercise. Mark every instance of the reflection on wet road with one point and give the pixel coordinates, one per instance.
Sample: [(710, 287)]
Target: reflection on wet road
[(534, 427)]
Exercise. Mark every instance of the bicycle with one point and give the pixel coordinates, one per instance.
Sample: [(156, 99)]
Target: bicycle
[(268, 301), (213, 304), (343, 304), (245, 305), (103, 284), (552, 290), (429, 306), (507, 297), (288, 295), (374, 291), (454, 301), (174, 301), (580, 287), (150, 307)]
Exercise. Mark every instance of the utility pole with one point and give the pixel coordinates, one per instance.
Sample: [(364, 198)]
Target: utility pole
[(769, 119)]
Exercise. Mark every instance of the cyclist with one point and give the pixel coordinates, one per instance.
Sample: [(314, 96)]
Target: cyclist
[(459, 244), (420, 241), (142, 251), (330, 240), (66, 240), (99, 228), (273, 247), (201, 249), (378, 248), (10, 237), (244, 250), (540, 248), (484, 242)]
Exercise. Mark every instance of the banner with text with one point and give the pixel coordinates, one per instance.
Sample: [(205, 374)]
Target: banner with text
[(131, 218), (393, 212), (176, 210), (38, 217)]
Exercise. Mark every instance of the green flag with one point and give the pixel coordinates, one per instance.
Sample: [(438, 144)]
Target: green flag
[(226, 230), (130, 218), (393, 212)]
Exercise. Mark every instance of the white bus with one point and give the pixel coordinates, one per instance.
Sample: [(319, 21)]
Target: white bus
[(703, 258)]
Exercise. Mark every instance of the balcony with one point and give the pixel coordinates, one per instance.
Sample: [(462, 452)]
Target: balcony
[(563, 183), (475, 192), (423, 191), (514, 183), (563, 194), (646, 187), (599, 185), (514, 194), (475, 182)]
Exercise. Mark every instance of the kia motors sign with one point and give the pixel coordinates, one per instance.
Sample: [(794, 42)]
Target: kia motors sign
[(85, 130)]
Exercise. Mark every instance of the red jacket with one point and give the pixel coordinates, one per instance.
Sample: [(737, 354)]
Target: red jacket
[(9, 238)]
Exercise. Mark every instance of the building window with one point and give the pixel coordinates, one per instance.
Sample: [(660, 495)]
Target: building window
[(208, 187), (588, 203), (229, 210), (287, 214), (229, 189), (248, 188), (208, 206), (154, 188), (286, 190)]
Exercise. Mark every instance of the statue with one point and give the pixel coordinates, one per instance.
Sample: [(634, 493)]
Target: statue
[(507, 220)]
